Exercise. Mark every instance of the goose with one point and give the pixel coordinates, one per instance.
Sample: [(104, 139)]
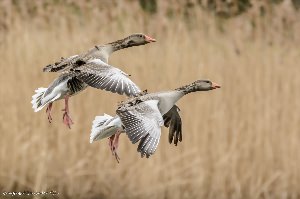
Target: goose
[(90, 69), (142, 116), (101, 52)]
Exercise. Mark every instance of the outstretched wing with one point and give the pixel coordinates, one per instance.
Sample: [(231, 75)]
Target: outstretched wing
[(142, 123), (100, 75), (172, 121)]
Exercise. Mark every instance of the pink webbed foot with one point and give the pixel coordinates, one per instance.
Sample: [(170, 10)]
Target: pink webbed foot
[(114, 144), (48, 112), (66, 117)]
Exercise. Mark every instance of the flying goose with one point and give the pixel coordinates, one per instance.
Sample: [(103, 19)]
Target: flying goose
[(101, 52), (80, 71), (141, 118)]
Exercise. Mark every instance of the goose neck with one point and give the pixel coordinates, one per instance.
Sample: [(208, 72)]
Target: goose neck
[(118, 45)]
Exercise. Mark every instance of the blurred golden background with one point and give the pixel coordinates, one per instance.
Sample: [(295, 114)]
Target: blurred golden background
[(240, 141)]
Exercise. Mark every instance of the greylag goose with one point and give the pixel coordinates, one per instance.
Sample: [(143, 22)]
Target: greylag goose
[(141, 118), (101, 52), (79, 72)]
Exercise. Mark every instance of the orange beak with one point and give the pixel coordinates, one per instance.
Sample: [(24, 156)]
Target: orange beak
[(149, 39), (215, 85)]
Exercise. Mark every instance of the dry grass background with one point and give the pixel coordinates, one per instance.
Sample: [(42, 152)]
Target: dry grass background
[(240, 141)]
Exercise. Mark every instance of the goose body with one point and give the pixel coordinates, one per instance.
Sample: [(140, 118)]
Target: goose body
[(166, 100), (88, 69), (143, 116), (64, 85)]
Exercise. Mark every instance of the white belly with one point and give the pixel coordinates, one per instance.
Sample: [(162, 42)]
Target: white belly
[(59, 92)]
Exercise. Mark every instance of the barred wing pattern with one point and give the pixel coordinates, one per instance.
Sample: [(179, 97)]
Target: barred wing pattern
[(172, 121), (61, 65), (100, 75), (142, 123)]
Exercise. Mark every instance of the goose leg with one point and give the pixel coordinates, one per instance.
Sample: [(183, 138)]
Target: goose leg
[(48, 112), (113, 145), (66, 117)]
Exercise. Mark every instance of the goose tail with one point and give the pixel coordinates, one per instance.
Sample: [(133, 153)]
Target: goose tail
[(36, 101), (103, 126)]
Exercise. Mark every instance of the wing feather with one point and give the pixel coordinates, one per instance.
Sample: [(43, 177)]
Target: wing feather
[(100, 75), (142, 123), (172, 121), (62, 64)]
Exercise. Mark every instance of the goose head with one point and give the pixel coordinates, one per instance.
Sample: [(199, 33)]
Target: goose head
[(199, 85), (205, 85), (138, 39)]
